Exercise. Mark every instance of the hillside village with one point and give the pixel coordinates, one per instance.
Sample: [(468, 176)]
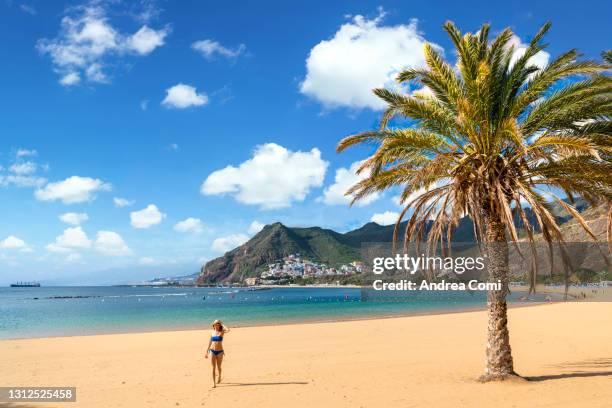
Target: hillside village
[(294, 266)]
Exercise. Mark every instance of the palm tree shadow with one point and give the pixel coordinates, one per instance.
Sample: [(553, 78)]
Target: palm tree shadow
[(263, 383), (601, 363)]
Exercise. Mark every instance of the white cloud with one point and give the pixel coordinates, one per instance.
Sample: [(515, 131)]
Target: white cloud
[(122, 202), (12, 242), (362, 55), (146, 217), (208, 48), (71, 78), (73, 218), (147, 260), (224, 244), (72, 190), (22, 181), (183, 96), (344, 180), (87, 38), (94, 73), (144, 104), (23, 168), (71, 239), (273, 178), (385, 218), (145, 40), (540, 60), (110, 243), (255, 227), (192, 225), (26, 153)]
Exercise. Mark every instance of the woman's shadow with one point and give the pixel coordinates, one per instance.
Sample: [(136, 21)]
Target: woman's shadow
[(583, 369), (235, 384)]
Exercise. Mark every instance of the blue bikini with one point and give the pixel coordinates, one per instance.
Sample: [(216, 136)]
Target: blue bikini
[(216, 338)]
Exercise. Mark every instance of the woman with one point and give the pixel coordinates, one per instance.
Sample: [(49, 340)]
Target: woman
[(215, 349)]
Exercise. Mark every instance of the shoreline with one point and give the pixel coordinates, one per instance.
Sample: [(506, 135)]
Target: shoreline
[(604, 294), (302, 322)]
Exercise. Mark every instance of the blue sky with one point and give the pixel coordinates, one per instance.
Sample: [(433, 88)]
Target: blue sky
[(151, 101)]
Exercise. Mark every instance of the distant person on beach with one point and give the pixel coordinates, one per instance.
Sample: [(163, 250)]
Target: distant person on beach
[(215, 349)]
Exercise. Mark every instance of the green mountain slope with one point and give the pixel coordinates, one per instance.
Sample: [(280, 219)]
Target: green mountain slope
[(274, 242)]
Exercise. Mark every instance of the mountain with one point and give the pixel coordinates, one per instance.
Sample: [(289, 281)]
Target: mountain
[(276, 241), (584, 255)]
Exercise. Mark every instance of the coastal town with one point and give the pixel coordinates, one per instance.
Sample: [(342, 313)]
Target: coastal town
[(294, 266)]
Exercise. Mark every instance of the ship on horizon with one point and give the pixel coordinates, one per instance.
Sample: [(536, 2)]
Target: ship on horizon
[(25, 285)]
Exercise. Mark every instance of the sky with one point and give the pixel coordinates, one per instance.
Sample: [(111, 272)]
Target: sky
[(141, 139)]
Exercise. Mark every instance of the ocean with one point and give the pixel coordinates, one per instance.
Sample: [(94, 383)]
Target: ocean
[(64, 311)]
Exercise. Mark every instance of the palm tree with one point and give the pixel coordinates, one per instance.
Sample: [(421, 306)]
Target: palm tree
[(484, 138)]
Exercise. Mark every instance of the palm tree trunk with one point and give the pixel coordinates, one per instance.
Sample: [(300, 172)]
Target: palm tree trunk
[(499, 355)]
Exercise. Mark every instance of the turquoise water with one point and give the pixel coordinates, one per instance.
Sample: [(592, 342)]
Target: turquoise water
[(58, 311)]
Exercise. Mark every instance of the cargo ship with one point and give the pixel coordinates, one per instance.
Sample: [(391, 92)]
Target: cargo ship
[(25, 285)]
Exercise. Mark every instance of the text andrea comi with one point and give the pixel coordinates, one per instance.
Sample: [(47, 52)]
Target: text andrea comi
[(409, 264)]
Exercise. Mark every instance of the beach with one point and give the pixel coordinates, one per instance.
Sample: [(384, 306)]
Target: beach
[(417, 361)]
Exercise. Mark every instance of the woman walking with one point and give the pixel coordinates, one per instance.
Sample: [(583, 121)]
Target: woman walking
[(215, 349)]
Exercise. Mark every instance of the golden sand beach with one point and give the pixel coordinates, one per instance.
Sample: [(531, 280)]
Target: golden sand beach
[(565, 349)]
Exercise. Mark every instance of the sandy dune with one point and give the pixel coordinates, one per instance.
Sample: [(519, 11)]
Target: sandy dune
[(420, 361)]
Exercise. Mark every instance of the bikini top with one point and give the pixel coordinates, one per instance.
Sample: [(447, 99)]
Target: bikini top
[(216, 338)]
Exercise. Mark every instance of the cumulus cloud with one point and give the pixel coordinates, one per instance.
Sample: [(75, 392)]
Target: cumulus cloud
[(22, 181), (71, 78), (110, 243), (192, 225), (385, 218), (23, 168), (146, 217), (26, 153), (12, 242), (255, 227), (74, 218), (362, 55), (273, 178), (345, 178), (72, 190), (22, 173), (122, 202), (540, 60), (210, 48), (71, 239), (145, 40), (224, 244), (183, 96), (87, 39)]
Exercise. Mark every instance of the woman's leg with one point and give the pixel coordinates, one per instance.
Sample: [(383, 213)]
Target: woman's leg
[(213, 361), (219, 361)]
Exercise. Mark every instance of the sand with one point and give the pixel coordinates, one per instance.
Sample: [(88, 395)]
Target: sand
[(419, 361)]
